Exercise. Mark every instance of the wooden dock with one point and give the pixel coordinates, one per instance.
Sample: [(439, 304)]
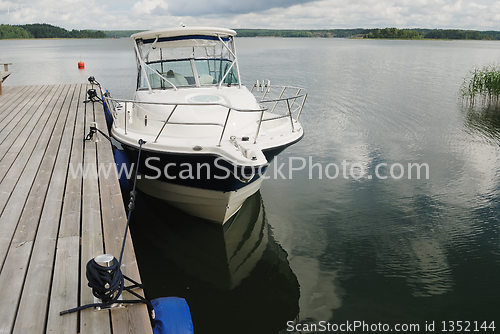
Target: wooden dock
[(4, 74), (53, 222)]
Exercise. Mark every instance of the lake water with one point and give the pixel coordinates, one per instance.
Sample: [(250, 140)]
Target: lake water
[(389, 249)]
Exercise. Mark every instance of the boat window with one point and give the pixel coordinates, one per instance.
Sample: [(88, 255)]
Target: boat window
[(211, 71), (203, 63), (179, 73)]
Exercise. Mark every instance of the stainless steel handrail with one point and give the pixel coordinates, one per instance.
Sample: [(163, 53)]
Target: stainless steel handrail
[(290, 101), (265, 87), (166, 121)]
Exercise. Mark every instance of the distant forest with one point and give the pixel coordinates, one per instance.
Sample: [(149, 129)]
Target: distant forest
[(43, 30), (298, 33), (386, 33), (120, 33), (389, 33)]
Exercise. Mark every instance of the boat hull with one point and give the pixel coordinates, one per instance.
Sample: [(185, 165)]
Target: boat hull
[(213, 205), (203, 185)]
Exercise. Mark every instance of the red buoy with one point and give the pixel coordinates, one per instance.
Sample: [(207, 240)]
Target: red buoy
[(81, 65)]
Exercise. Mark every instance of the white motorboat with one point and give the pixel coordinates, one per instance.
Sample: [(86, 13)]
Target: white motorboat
[(208, 138)]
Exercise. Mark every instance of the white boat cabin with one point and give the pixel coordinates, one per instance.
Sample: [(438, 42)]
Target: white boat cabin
[(186, 57)]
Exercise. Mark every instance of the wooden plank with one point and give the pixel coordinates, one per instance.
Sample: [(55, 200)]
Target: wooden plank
[(16, 186), (19, 151), (133, 318), (9, 221), (19, 252), (32, 309), (15, 100), (92, 243), (3, 76), (37, 199), (66, 282), (12, 278), (19, 118), (5, 66), (65, 286), (18, 143), (50, 229), (13, 95), (70, 217), (21, 169)]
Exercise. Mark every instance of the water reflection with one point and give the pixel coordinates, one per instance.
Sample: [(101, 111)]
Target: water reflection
[(320, 295), (399, 251), (483, 122), (231, 275)]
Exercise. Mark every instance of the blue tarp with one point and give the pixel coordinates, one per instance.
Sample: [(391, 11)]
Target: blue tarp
[(172, 316)]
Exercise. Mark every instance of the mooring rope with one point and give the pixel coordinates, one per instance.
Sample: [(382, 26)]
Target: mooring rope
[(94, 130), (92, 93), (108, 282), (133, 193)]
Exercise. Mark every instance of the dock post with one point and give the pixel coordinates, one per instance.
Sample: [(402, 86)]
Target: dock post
[(4, 74)]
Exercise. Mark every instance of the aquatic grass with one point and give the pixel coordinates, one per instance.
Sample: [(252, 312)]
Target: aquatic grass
[(482, 84)]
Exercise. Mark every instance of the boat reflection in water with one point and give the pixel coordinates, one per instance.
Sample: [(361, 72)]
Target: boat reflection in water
[(235, 277)]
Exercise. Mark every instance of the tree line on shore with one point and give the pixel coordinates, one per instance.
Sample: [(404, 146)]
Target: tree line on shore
[(298, 33), (386, 33), (394, 33), (43, 30)]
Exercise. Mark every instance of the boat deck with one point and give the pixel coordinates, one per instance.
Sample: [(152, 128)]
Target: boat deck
[(51, 221)]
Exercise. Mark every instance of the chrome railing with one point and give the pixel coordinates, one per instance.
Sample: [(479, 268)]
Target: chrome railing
[(282, 107), (293, 104)]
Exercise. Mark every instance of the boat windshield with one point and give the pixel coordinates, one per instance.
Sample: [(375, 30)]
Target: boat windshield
[(187, 62)]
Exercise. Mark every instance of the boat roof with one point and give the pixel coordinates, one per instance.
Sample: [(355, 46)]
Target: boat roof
[(183, 31)]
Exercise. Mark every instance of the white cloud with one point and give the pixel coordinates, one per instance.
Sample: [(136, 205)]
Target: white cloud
[(203, 8), (307, 14), (150, 7)]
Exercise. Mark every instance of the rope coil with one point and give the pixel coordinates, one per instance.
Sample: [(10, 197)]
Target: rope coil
[(108, 282)]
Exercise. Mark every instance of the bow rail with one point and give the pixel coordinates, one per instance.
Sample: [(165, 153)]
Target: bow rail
[(271, 109)]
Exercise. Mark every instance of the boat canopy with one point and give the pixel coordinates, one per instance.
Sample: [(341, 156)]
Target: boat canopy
[(183, 31), (184, 57), (188, 36)]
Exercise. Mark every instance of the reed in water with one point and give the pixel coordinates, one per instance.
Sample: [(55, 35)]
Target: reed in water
[(482, 85)]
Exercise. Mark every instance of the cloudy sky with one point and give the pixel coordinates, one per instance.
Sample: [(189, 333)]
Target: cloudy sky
[(274, 14)]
